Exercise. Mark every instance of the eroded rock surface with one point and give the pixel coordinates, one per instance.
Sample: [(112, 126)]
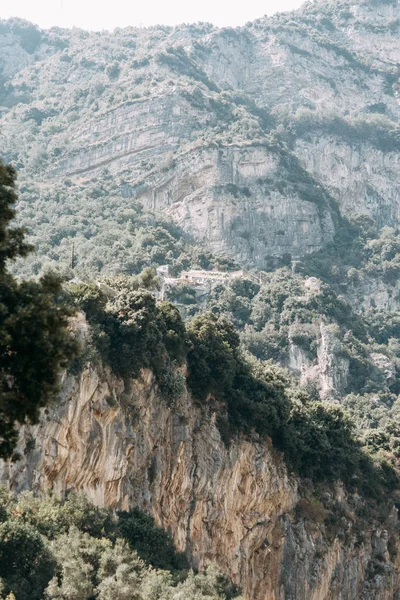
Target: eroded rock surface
[(237, 506)]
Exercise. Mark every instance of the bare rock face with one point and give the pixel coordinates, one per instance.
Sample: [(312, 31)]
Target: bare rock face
[(237, 506), (309, 57), (329, 370), (364, 179), (227, 198), (334, 367), (238, 199), (373, 292)]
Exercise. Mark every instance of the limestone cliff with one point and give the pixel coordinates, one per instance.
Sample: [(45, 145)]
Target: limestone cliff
[(236, 506)]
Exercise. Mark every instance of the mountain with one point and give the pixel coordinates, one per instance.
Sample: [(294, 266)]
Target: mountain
[(272, 148), (234, 461), (254, 140)]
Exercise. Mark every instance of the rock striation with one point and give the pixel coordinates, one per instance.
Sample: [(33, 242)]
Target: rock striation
[(256, 141)]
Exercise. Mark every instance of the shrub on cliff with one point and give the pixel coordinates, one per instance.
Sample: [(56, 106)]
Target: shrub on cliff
[(318, 440), (253, 393), (213, 355), (130, 330), (51, 517)]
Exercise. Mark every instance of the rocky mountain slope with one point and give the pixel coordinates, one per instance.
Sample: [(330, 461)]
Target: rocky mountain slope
[(272, 146), (252, 139), (241, 464)]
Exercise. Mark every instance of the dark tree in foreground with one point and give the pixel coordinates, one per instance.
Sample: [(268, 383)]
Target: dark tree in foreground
[(34, 341)]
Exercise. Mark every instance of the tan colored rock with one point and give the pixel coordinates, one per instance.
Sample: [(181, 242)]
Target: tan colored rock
[(121, 445)]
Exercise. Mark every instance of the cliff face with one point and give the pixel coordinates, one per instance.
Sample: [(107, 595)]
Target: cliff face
[(364, 179), (227, 198), (236, 506)]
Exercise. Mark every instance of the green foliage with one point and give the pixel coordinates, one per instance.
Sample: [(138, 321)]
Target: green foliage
[(153, 544), (111, 234), (54, 549), (268, 305), (51, 518), (358, 248), (26, 564), (182, 294), (12, 242), (89, 298), (374, 128), (172, 329), (383, 255), (130, 323), (212, 356), (131, 332), (383, 325), (257, 400), (30, 35), (320, 442), (34, 341), (268, 344), (304, 336), (376, 417), (235, 300)]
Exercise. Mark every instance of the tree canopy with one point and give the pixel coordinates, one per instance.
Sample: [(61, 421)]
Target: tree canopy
[(34, 338)]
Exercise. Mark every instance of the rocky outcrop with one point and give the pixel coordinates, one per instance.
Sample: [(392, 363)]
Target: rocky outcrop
[(227, 198), (237, 505), (362, 178), (373, 292), (329, 370), (334, 366)]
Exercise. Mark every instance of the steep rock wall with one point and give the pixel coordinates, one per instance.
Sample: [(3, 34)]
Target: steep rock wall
[(130, 136), (179, 94), (235, 506), (328, 370), (229, 198), (373, 292), (362, 178)]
